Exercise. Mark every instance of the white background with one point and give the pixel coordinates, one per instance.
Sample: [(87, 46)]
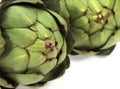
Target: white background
[(89, 73)]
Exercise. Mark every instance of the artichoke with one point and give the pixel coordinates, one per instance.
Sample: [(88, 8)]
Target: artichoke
[(95, 24), (32, 44)]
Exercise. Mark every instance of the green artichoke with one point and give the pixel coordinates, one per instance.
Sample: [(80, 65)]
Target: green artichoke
[(95, 24), (32, 44)]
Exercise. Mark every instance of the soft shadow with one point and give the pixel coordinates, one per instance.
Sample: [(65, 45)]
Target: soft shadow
[(33, 87), (79, 57), (85, 57)]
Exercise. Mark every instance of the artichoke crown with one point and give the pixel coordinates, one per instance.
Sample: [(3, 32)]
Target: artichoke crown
[(32, 43)]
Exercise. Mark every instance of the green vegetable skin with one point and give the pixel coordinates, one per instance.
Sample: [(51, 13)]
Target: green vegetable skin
[(32, 44), (95, 24)]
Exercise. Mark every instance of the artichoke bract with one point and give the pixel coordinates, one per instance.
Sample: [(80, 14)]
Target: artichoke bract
[(2, 43), (32, 44), (95, 24)]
